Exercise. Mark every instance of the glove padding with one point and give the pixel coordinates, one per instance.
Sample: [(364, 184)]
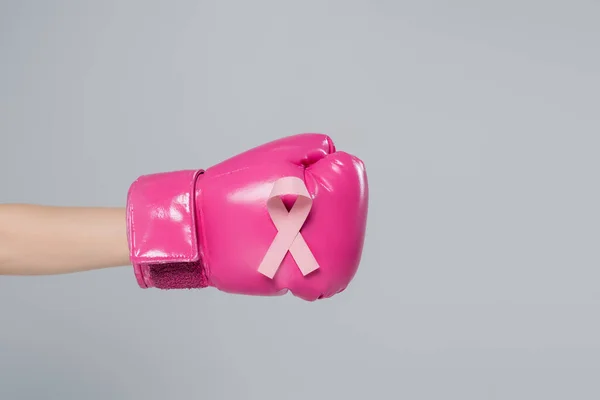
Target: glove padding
[(289, 215)]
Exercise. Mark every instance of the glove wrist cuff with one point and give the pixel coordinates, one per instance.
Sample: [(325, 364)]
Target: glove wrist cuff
[(161, 230)]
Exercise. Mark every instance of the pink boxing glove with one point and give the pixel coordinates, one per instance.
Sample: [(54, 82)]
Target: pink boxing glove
[(289, 215)]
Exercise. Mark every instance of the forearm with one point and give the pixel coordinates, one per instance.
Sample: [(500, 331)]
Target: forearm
[(43, 240)]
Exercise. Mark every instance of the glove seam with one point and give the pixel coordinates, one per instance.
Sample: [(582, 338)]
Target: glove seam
[(203, 252)]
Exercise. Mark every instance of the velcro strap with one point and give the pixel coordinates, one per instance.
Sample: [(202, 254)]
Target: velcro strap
[(161, 218)]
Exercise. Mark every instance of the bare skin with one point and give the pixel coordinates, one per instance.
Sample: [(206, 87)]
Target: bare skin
[(45, 240)]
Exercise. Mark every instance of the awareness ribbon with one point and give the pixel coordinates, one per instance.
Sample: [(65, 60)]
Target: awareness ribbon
[(288, 225)]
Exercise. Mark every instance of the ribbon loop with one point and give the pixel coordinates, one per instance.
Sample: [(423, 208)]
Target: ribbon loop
[(288, 225)]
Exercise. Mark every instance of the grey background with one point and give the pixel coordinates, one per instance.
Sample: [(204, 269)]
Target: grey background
[(478, 123)]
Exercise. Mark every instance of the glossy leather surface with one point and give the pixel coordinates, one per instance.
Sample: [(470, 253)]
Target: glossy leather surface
[(162, 230), (216, 221)]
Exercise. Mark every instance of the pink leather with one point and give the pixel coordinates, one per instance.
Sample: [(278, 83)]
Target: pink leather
[(161, 221), (192, 229)]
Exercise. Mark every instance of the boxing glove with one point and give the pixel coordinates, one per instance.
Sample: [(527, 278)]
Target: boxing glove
[(286, 216)]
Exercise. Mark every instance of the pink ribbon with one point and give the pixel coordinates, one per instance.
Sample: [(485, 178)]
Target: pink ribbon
[(288, 225)]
